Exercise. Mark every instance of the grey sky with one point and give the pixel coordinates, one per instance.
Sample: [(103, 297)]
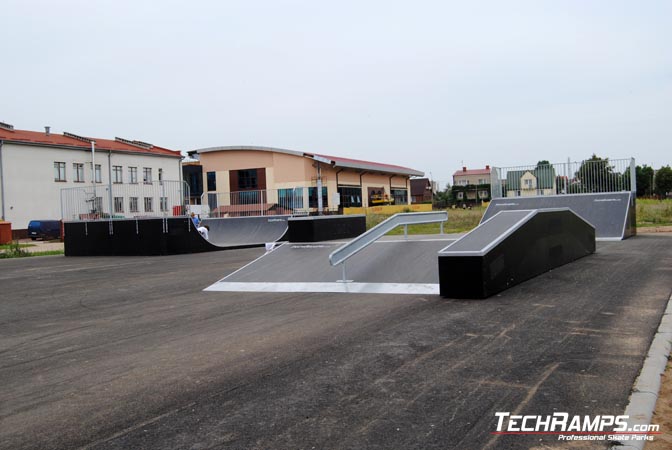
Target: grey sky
[(425, 84)]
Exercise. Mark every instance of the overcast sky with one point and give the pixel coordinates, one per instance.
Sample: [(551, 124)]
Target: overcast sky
[(430, 85)]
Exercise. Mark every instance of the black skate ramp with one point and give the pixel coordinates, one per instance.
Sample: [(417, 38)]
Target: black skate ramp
[(392, 266), (512, 247), (612, 214)]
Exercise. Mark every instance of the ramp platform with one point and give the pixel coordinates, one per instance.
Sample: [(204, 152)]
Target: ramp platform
[(245, 231), (391, 266), (511, 247), (612, 214)]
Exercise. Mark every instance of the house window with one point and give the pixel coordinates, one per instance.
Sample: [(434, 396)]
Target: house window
[(482, 181), (400, 196), (133, 175), (117, 174), (462, 182), (59, 171), (312, 197), (147, 175), (212, 181), (148, 204), (79, 172), (460, 195), (133, 204), (483, 194), (164, 204), (350, 196), (247, 179), (98, 174), (290, 198), (160, 174), (118, 204), (528, 184)]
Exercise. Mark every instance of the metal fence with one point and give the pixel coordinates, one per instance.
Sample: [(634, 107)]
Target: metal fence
[(122, 201), (588, 176), (268, 202)]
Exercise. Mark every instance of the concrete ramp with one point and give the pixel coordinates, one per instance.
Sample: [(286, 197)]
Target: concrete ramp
[(612, 214), (512, 247), (389, 266), (243, 231)]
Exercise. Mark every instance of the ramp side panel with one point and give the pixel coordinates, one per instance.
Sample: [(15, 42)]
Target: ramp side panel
[(612, 214), (547, 240), (236, 231)]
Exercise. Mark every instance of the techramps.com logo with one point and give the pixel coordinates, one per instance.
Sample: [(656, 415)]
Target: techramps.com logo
[(575, 428)]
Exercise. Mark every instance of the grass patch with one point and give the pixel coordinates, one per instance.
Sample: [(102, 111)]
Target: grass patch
[(459, 221), (654, 213), (16, 250)]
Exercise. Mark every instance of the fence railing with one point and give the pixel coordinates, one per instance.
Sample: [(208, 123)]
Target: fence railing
[(589, 176), (342, 253), (267, 202), (122, 201)]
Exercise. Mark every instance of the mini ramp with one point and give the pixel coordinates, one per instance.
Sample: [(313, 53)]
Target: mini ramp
[(612, 214), (246, 231)]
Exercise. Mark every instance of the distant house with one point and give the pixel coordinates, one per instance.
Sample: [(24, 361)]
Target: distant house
[(421, 190), (471, 185), (528, 183)]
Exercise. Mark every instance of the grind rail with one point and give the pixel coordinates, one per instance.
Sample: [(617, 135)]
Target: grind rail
[(341, 254)]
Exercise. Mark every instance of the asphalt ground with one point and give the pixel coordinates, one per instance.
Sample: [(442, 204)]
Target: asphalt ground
[(129, 352)]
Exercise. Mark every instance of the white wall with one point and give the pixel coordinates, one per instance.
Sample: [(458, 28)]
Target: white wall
[(28, 177)]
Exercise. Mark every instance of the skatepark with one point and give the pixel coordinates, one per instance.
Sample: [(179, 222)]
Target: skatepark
[(244, 348)]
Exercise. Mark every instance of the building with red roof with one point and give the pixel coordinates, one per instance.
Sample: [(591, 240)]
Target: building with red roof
[(299, 176), (472, 184), (36, 166)]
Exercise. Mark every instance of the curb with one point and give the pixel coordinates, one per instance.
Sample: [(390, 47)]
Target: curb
[(647, 386)]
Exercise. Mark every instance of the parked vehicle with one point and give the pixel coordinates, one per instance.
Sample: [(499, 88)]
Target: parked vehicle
[(44, 229)]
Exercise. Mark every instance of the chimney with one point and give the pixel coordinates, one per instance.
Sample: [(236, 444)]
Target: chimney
[(464, 168), (47, 130), (487, 167)]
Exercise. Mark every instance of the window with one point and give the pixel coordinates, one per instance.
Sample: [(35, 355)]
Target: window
[(483, 194), (350, 196), (312, 197), (148, 204), (460, 195), (164, 204), (146, 175), (118, 204), (400, 196), (160, 174), (133, 175), (462, 182), (59, 171), (247, 179), (528, 184), (116, 174), (212, 182), (98, 175), (78, 168), (482, 181), (133, 204), (290, 198), (98, 205)]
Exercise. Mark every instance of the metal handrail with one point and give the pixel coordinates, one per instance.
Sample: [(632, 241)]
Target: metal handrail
[(341, 254)]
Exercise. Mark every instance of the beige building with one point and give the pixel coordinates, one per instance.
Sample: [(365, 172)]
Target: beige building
[(287, 181)]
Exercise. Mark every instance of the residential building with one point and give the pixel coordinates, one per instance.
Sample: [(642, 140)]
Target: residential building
[(421, 190), (527, 183), (283, 180), (36, 166), (472, 185)]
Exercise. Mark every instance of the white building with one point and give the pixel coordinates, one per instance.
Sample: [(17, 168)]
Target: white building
[(36, 166)]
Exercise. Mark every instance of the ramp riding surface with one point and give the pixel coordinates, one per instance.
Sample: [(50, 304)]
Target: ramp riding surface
[(139, 357), (237, 231), (612, 214)]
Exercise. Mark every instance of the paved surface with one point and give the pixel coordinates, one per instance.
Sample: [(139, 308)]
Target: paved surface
[(118, 353)]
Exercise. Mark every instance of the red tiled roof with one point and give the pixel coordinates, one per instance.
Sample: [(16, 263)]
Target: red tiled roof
[(41, 138), (472, 172), (384, 167)]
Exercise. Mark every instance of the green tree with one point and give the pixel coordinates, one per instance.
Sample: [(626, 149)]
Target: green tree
[(663, 181), (644, 178), (597, 175)]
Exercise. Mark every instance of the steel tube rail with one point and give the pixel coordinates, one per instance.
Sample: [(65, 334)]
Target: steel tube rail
[(341, 254)]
